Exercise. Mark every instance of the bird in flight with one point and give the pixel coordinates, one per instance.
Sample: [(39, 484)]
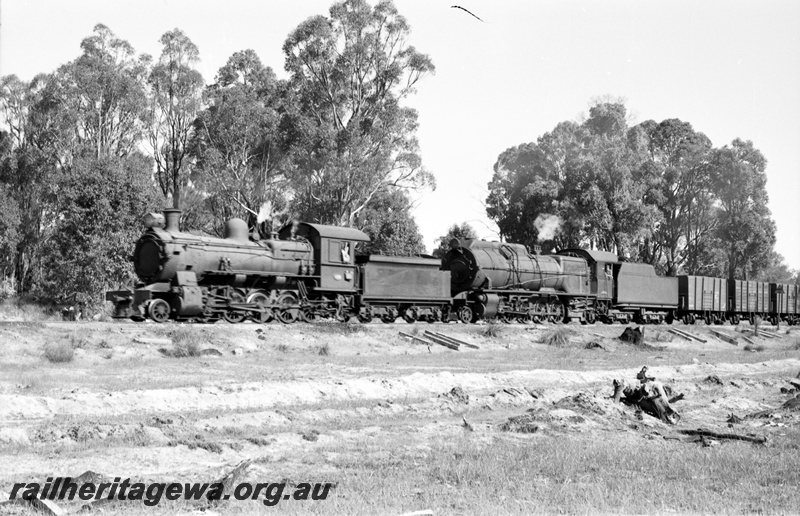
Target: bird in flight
[(465, 10)]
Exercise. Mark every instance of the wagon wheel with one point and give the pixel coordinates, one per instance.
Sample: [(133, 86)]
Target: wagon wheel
[(159, 310), (589, 317), (464, 314), (389, 317), (261, 299), (287, 311), (410, 315), (365, 317), (235, 316), (525, 318)]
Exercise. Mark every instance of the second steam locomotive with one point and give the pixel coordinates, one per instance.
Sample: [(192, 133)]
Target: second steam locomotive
[(308, 271)]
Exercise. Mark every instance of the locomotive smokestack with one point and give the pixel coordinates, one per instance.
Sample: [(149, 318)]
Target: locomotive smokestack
[(172, 218)]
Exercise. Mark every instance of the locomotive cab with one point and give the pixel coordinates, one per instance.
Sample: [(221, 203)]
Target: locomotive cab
[(601, 269), (334, 253)]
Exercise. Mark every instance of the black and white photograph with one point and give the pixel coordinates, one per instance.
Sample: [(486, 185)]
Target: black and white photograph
[(399, 257)]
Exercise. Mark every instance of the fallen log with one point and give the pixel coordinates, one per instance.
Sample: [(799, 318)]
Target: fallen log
[(687, 334), (748, 340), (452, 339), (727, 338), (761, 333), (428, 342), (443, 342), (679, 334), (718, 435)]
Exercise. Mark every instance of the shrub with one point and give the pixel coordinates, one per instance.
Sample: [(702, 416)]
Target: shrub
[(492, 330), (558, 337), (184, 349), (186, 341), (59, 352)]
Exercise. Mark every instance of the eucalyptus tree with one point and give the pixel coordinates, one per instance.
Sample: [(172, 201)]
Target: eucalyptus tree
[(352, 137), (239, 144), (95, 104), (174, 100), (745, 228), (677, 156), (388, 221)]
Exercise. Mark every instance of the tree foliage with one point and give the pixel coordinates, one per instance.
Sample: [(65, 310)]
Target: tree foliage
[(392, 230), (351, 136), (175, 98), (239, 146), (335, 143), (656, 192), (746, 228), (95, 104), (101, 202), (461, 231)]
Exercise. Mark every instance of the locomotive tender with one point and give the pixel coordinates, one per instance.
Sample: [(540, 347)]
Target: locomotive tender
[(306, 271)]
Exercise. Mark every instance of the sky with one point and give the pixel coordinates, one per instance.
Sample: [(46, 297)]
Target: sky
[(730, 68)]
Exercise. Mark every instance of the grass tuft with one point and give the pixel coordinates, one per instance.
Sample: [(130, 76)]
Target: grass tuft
[(492, 330), (187, 341), (558, 337), (59, 352), (283, 348), (754, 347), (324, 350)]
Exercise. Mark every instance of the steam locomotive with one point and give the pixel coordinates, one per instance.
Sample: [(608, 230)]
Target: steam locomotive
[(307, 271)]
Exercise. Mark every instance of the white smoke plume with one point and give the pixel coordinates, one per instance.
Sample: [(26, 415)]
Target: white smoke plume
[(547, 225), (264, 212)]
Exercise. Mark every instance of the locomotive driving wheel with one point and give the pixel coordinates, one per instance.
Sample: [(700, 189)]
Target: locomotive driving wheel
[(159, 310), (261, 299), (556, 311), (525, 318), (539, 312), (287, 311), (235, 316)]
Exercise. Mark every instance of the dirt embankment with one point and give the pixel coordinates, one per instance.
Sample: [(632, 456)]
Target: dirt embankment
[(307, 402)]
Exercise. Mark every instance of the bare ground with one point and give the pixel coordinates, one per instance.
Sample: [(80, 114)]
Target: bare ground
[(516, 426)]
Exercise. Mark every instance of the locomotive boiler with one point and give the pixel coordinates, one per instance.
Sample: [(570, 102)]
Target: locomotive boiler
[(505, 280)]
